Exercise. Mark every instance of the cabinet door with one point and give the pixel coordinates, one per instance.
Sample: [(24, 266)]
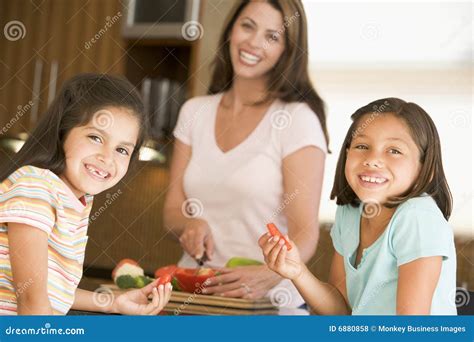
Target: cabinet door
[(61, 38), (24, 38)]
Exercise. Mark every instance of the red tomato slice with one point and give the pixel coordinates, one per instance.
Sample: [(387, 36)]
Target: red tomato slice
[(189, 281), (166, 278), (170, 269), (275, 232)]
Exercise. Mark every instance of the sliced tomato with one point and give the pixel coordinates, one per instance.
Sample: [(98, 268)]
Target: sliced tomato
[(170, 269), (193, 280), (165, 278), (272, 228), (123, 262)]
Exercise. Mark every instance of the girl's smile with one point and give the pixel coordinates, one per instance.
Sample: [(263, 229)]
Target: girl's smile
[(97, 173), (383, 160), (98, 154), (372, 180)]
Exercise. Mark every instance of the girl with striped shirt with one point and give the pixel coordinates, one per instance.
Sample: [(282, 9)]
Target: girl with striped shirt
[(82, 146)]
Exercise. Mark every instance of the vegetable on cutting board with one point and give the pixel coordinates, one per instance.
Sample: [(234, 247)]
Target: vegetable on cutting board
[(191, 281), (127, 266), (240, 261), (185, 279), (128, 274), (273, 230), (168, 270)]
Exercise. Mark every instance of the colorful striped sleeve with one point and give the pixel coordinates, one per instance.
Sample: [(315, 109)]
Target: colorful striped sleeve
[(29, 198)]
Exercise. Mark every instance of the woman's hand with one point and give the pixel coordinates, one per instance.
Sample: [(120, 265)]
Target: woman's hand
[(252, 282), (286, 263), (135, 302), (197, 240)]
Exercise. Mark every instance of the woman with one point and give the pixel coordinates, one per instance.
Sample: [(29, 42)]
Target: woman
[(243, 154)]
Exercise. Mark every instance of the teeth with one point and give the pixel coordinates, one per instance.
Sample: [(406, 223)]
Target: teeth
[(97, 172), (373, 179), (249, 58)]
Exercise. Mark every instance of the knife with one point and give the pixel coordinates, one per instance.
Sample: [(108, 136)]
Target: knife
[(201, 262)]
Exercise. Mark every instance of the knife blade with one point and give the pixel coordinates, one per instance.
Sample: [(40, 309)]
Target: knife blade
[(201, 262)]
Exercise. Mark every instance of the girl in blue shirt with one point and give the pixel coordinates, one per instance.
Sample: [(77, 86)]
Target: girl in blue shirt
[(395, 252)]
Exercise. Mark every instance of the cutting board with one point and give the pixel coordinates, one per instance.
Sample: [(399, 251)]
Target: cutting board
[(198, 304)]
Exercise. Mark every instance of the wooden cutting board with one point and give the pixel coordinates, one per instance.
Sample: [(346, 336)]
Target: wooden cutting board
[(198, 309), (192, 303)]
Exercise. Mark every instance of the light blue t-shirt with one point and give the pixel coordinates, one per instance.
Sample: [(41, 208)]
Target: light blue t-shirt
[(417, 229)]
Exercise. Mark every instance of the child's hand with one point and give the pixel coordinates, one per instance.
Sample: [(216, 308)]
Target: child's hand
[(136, 302), (278, 258)]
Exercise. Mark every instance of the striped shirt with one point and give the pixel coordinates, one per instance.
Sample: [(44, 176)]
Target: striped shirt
[(39, 198)]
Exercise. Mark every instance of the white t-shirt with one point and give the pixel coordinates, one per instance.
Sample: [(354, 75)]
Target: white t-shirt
[(240, 191)]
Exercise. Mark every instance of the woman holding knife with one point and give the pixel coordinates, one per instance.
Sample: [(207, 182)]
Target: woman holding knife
[(247, 153)]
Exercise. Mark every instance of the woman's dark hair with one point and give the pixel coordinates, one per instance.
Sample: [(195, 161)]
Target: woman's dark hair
[(431, 179), (289, 79), (77, 101)]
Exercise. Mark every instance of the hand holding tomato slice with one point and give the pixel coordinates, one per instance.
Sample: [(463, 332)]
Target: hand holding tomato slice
[(166, 278), (278, 256), (273, 230)]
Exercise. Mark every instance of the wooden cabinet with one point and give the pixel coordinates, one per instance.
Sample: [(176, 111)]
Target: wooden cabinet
[(56, 43)]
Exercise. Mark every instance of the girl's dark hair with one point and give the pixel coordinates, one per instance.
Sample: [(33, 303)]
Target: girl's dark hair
[(77, 101), (431, 179), (289, 78)]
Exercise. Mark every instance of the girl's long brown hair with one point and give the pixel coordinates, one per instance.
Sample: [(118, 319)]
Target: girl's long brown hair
[(75, 104), (289, 78), (431, 179)]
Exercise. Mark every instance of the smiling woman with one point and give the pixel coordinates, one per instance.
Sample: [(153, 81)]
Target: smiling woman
[(256, 140)]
